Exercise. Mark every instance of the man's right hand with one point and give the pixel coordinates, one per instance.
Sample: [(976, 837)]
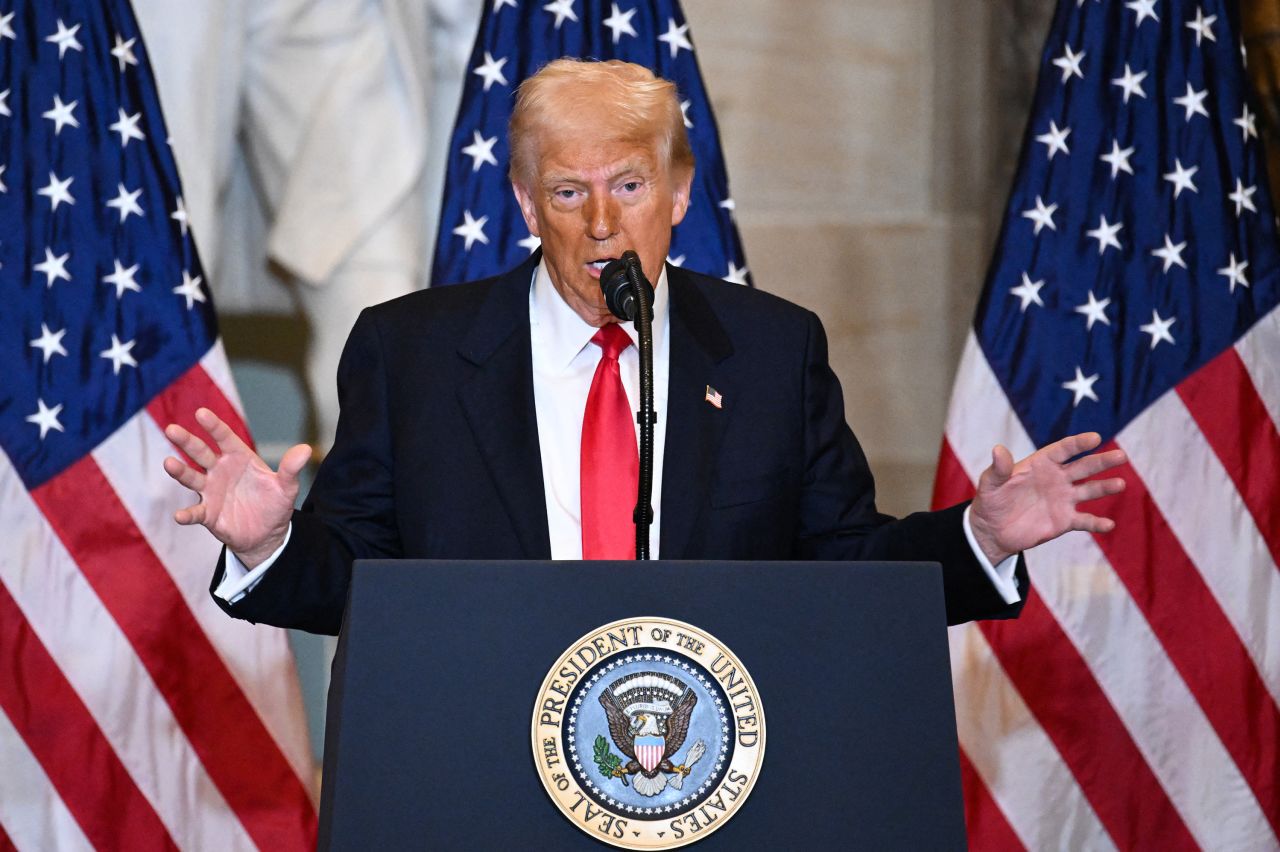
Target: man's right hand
[(243, 502)]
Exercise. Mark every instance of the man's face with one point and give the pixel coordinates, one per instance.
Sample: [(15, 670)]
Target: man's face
[(592, 200)]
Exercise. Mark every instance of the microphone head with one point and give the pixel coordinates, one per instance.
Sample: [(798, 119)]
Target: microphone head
[(615, 283)]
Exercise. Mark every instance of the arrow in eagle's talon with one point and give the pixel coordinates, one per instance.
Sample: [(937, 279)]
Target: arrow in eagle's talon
[(694, 755)]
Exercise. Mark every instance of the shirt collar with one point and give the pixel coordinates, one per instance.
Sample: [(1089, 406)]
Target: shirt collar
[(561, 334)]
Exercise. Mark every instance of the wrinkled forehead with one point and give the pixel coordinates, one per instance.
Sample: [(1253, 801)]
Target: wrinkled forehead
[(597, 150)]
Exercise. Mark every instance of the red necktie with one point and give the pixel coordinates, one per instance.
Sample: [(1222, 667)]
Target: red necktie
[(610, 461)]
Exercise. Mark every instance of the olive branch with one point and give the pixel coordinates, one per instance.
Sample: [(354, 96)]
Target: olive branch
[(606, 761)]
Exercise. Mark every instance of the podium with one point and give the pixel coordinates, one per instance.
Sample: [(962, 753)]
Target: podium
[(440, 663)]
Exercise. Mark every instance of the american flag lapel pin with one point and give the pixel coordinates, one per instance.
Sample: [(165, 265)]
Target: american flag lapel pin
[(714, 397)]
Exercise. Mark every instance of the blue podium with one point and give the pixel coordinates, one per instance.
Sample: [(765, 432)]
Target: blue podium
[(440, 665)]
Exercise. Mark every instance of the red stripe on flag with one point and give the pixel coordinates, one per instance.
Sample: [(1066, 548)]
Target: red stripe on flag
[(1196, 635), (952, 484), (195, 389), (985, 824), (1226, 406), (64, 737), (234, 746), (1060, 691), (6, 845)]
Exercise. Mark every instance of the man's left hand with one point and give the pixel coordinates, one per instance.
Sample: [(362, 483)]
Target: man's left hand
[(1033, 501)]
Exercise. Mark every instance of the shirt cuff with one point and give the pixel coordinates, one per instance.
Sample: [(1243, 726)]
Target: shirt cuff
[(238, 581), (1001, 575)]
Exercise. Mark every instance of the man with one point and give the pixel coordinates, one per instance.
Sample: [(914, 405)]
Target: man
[(470, 415)]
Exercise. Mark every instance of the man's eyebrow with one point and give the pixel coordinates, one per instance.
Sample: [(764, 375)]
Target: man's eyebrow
[(552, 179)]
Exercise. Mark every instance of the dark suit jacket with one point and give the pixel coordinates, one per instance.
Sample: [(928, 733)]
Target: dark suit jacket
[(437, 456)]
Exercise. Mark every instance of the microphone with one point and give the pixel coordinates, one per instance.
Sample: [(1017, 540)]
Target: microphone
[(629, 296), (616, 283)]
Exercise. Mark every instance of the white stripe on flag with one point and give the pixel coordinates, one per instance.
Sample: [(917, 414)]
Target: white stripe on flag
[(980, 416), (218, 368), (1198, 499), (1260, 351), (258, 657), (31, 811), (134, 717), (1017, 762)]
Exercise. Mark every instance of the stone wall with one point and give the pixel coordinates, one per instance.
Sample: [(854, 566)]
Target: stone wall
[(865, 167)]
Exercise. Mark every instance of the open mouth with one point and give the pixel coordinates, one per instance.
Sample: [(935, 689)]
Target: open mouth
[(597, 266)]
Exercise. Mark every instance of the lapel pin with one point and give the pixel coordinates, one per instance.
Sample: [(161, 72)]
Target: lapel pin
[(714, 397)]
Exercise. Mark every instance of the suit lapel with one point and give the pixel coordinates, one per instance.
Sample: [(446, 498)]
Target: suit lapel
[(694, 426), (497, 397)]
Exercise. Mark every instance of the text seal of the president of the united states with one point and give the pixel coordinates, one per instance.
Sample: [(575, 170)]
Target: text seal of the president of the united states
[(648, 733)]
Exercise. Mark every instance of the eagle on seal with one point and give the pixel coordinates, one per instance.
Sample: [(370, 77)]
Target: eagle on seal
[(626, 729)]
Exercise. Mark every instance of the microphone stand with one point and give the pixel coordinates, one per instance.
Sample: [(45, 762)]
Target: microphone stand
[(646, 417), (629, 296)]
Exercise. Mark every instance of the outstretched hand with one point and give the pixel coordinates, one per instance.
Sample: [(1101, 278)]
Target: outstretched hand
[(243, 502), (1033, 501)]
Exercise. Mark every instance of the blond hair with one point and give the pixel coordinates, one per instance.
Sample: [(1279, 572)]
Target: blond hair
[(566, 95)]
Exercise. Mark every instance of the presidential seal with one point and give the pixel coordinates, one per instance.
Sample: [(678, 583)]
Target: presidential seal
[(648, 733)]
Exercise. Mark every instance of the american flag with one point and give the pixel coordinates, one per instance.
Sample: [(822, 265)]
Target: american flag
[(133, 714), (481, 230), (1134, 291)]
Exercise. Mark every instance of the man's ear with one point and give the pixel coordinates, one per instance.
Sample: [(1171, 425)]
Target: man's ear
[(527, 208), (680, 194)]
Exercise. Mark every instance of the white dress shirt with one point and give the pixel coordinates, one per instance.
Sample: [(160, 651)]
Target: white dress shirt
[(564, 363)]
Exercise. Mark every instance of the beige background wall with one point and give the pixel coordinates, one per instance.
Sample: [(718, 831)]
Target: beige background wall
[(857, 141)]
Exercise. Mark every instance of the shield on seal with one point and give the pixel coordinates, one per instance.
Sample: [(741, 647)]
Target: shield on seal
[(649, 751)]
